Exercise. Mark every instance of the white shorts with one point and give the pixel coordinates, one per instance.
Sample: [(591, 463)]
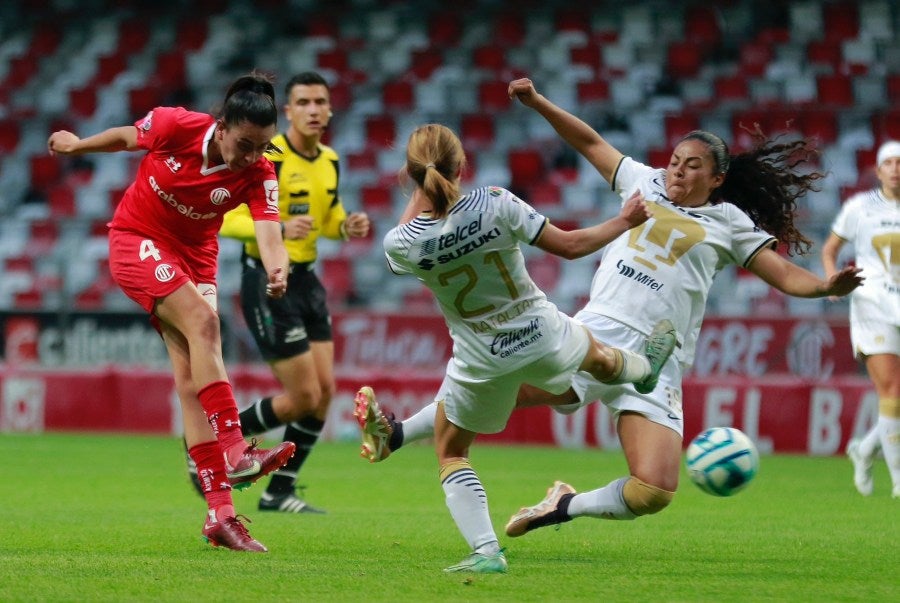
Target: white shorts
[(662, 405), (870, 337), (483, 403)]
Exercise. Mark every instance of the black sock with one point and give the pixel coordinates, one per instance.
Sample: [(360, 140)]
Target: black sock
[(304, 433), (396, 439), (259, 418)]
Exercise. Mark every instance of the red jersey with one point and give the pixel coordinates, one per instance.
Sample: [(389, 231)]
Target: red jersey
[(176, 196)]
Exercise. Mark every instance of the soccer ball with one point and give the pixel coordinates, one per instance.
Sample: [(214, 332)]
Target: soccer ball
[(722, 461)]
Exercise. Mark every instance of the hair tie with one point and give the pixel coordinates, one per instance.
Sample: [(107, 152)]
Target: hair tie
[(429, 165)]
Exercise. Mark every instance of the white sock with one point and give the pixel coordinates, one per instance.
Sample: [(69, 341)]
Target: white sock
[(870, 442), (606, 502), (889, 430), (420, 425), (634, 368), (468, 506)]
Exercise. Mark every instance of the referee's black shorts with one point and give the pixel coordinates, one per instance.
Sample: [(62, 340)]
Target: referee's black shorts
[(284, 327)]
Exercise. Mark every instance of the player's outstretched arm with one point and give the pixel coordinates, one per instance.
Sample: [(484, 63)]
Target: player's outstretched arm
[(123, 138), (574, 131), (572, 244), (800, 282)]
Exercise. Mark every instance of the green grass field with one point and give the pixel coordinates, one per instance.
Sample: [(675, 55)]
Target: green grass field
[(113, 518)]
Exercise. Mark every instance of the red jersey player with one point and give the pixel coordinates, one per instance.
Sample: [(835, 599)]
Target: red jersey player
[(163, 251)]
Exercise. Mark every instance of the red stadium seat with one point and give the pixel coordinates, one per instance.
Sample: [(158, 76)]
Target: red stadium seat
[(755, 57), (398, 96), (334, 59), (144, 98), (425, 62), (509, 29), (83, 101), (824, 52), (108, 67), (171, 71), (381, 131), (526, 168), (376, 199), (684, 59), (658, 157), (544, 193), (20, 71), (337, 278), (491, 58), (30, 298), (593, 91), (46, 171), (477, 130), (545, 269), (363, 160), (677, 125), (701, 24), (445, 29), (732, 88), (191, 35), (493, 96), (840, 20), (589, 55), (835, 90), (821, 124), (133, 36), (61, 200), (573, 19), (9, 135)]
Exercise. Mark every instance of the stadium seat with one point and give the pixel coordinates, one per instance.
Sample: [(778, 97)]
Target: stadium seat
[(424, 62), (732, 88), (568, 18), (445, 29), (588, 55), (593, 91), (9, 135), (490, 58), (676, 125), (492, 96), (509, 28), (46, 171), (191, 35), (334, 59), (755, 57), (376, 199), (840, 20), (835, 91), (336, 274), (544, 194), (20, 71), (144, 98), (83, 101), (381, 131), (701, 24), (108, 67), (61, 200), (476, 130), (526, 168), (171, 70), (821, 124), (683, 59), (133, 36), (398, 96), (545, 269), (824, 53), (30, 299)]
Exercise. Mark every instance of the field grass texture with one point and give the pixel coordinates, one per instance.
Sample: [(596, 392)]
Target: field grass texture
[(113, 518)]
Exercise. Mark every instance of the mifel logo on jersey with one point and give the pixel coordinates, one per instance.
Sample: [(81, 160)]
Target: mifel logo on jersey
[(164, 273)]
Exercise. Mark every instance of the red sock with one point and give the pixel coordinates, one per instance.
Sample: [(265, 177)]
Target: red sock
[(217, 400), (211, 472)]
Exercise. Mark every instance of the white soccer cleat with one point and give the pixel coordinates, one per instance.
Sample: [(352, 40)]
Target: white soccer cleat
[(862, 468), (545, 513)]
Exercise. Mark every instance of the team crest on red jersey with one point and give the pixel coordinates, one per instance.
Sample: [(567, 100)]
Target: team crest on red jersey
[(164, 273), (219, 196)]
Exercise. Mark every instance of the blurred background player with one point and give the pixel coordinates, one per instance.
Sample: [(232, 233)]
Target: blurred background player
[(466, 250), (163, 254), (870, 220), (293, 333)]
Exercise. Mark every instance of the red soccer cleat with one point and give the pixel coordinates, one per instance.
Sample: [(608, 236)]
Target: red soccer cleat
[(232, 534), (256, 463)]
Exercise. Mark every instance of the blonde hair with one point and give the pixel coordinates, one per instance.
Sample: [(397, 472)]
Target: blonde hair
[(434, 160)]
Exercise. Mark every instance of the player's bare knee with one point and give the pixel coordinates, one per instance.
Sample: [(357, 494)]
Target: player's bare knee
[(645, 499)]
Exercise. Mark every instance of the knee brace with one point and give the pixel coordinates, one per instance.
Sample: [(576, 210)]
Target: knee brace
[(889, 407), (644, 499)]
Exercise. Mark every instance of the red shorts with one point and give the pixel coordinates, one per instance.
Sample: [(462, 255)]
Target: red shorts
[(148, 270)]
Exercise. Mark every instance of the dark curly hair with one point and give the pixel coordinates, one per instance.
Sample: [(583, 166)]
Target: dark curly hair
[(765, 182)]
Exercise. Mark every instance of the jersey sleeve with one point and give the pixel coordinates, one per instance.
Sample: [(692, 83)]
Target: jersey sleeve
[(263, 192), (157, 127), (525, 222), (747, 238), (629, 176), (396, 248), (845, 223)]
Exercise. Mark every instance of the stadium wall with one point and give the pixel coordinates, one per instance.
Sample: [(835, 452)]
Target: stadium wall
[(788, 383)]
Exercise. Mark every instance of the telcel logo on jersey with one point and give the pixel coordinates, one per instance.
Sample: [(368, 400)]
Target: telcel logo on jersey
[(185, 210), (460, 236)]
